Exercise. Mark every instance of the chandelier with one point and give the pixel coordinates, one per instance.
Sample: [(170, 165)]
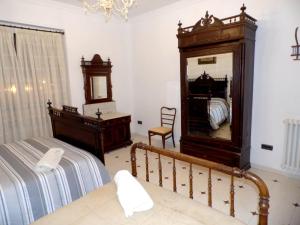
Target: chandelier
[(109, 7)]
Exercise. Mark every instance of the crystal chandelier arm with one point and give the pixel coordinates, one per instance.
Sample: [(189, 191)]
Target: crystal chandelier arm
[(110, 6), (92, 7), (126, 4)]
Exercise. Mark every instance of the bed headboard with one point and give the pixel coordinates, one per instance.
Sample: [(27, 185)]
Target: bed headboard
[(81, 131), (205, 84)]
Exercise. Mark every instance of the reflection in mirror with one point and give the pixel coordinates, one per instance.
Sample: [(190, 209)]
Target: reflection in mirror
[(98, 87), (209, 95)]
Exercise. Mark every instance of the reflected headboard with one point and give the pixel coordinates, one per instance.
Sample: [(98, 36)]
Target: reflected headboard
[(81, 131), (206, 85)]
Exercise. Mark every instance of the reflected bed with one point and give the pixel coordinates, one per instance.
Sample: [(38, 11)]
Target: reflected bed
[(219, 112), (208, 106)]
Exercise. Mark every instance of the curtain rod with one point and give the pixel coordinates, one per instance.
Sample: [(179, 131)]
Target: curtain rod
[(30, 27)]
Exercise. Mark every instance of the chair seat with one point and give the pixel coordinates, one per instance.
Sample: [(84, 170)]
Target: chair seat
[(161, 130)]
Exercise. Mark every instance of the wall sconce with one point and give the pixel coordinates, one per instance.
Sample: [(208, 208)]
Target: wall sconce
[(296, 48)]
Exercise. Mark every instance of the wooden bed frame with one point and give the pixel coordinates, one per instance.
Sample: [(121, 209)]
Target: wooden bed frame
[(81, 131), (201, 90), (231, 171)]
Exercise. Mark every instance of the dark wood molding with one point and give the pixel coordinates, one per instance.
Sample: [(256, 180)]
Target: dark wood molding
[(211, 30)]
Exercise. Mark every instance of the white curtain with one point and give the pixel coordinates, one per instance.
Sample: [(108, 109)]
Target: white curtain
[(29, 76), (10, 99)]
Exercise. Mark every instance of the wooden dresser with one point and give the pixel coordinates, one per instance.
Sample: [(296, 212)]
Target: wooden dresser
[(115, 125), (116, 131), (98, 98)]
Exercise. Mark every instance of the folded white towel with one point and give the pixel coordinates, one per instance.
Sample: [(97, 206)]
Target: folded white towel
[(132, 196), (50, 160)]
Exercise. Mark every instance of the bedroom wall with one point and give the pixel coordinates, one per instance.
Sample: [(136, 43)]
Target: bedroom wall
[(276, 80), (146, 59), (85, 35)]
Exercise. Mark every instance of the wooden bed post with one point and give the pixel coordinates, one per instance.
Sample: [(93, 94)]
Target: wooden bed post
[(263, 196), (133, 159)]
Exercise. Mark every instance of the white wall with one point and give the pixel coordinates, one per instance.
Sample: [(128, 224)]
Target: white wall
[(85, 35), (276, 78), (220, 69)]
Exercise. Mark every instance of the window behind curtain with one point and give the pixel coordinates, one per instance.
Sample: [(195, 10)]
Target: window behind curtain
[(29, 76)]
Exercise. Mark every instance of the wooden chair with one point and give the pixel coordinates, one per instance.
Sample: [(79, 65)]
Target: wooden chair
[(167, 120)]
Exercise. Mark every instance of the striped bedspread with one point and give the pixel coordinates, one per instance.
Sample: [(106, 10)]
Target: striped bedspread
[(219, 112), (26, 195)]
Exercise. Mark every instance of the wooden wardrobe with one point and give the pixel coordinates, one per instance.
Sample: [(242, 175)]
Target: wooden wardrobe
[(216, 67)]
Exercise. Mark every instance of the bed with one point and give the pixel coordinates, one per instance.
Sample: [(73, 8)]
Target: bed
[(25, 194), (102, 207), (208, 107)]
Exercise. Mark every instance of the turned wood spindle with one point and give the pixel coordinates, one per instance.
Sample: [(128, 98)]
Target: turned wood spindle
[(232, 196), (160, 170), (174, 176), (209, 188), (133, 163), (98, 114), (191, 181), (147, 166)]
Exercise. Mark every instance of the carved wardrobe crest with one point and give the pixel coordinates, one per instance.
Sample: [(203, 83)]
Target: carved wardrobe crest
[(216, 115)]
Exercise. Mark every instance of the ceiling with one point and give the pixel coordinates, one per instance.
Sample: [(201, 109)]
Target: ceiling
[(140, 7)]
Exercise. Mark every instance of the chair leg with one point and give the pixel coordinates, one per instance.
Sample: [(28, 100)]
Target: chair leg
[(173, 139), (163, 141), (149, 137)]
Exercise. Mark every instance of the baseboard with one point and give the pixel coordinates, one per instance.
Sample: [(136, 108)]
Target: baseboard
[(272, 170)]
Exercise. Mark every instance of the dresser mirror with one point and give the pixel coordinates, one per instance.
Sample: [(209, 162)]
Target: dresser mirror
[(97, 80), (216, 76), (209, 95), (98, 87)]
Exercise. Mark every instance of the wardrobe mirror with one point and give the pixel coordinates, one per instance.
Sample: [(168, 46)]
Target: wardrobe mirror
[(98, 87), (210, 95)]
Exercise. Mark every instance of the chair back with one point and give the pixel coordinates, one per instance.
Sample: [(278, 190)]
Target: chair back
[(167, 117)]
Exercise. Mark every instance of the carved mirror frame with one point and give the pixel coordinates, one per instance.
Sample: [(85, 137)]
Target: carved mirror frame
[(96, 68)]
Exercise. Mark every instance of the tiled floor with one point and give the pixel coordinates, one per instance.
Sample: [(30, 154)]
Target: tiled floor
[(284, 191)]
